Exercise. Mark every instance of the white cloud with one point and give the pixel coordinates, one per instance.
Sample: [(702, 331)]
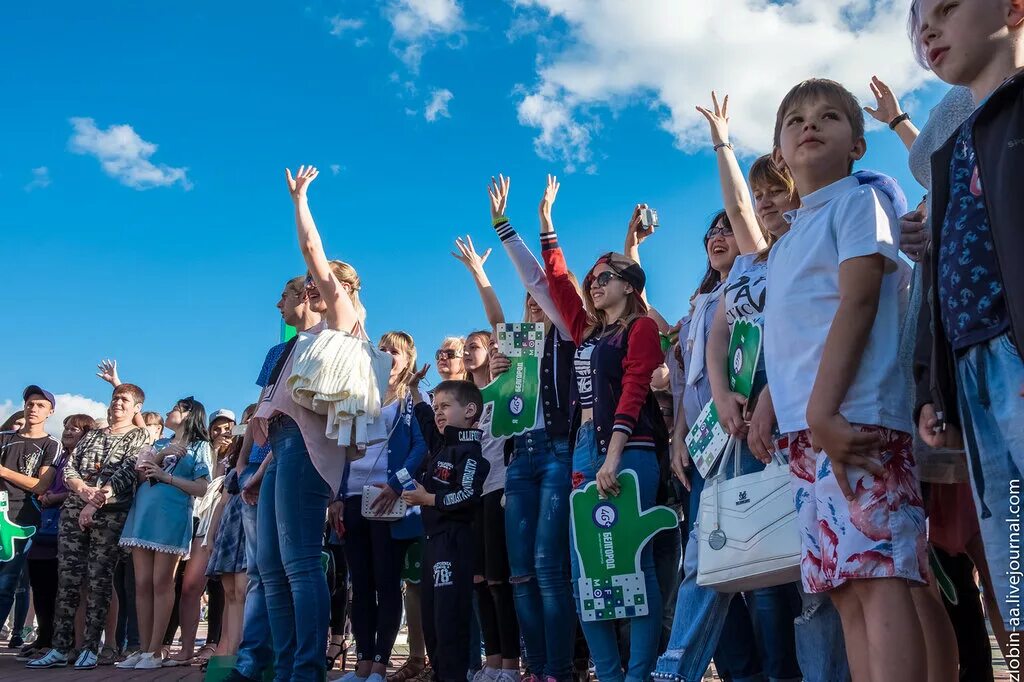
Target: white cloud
[(418, 24), (340, 24), (67, 405), (124, 155), (40, 179), (438, 104), (668, 56)]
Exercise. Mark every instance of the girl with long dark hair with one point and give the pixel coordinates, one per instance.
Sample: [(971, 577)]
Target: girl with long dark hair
[(158, 530)]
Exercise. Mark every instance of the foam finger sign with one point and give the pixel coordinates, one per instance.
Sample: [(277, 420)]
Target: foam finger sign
[(609, 535)]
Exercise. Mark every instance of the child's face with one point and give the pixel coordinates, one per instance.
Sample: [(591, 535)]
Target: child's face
[(960, 37), (450, 412), (474, 355), (770, 205), (817, 143)]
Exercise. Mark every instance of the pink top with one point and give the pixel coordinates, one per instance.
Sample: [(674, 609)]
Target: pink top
[(327, 456)]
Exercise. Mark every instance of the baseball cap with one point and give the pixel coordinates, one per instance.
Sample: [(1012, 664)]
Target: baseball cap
[(33, 389), (222, 414)]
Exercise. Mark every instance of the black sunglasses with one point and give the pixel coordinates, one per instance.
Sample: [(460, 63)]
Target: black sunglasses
[(602, 279), (446, 353)]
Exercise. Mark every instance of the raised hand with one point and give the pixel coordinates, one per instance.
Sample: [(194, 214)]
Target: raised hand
[(108, 372), (468, 256), (887, 106), (498, 192), (416, 377), (718, 119), (547, 201), (636, 232), (297, 186)]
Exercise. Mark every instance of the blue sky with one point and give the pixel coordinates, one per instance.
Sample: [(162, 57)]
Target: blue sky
[(171, 260)]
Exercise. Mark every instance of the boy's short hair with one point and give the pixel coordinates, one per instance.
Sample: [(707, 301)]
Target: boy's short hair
[(132, 391), (464, 392), (813, 88), (152, 418), (297, 285), (765, 173)]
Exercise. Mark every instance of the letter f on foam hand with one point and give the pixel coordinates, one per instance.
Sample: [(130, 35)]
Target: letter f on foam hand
[(10, 530), (609, 535)]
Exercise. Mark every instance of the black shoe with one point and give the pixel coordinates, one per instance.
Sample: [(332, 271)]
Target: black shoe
[(235, 676), (16, 642)]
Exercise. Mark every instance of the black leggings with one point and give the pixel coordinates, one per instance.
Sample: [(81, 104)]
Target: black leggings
[(375, 569), (127, 618), (967, 618), (42, 574), (339, 590), (498, 623)]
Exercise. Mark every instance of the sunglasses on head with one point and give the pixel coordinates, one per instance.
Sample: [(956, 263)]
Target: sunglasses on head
[(446, 353), (308, 283), (602, 279)]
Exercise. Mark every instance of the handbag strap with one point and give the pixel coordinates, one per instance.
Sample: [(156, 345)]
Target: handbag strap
[(399, 412)]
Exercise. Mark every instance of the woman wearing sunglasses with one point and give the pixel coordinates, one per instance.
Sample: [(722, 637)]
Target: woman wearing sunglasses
[(308, 466), (614, 417), (158, 530)]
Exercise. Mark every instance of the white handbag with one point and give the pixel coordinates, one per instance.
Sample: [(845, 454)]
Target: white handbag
[(747, 527)]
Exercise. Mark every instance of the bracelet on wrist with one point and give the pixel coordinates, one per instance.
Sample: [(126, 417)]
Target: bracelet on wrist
[(725, 145), (498, 220), (898, 120)]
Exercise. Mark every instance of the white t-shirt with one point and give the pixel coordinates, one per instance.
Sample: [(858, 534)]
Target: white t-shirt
[(493, 451), (745, 290), (841, 221), (372, 468)]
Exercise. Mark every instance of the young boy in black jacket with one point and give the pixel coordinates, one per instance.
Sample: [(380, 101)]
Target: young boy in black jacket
[(448, 488), (971, 336)]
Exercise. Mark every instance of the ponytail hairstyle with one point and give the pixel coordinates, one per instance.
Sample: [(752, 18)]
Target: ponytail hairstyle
[(712, 277), (404, 343), (194, 427), (346, 274)]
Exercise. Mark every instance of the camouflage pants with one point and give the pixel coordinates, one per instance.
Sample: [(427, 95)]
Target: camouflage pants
[(85, 557)]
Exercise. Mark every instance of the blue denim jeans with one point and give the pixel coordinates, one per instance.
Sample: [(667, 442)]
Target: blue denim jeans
[(537, 487), (12, 577), (820, 644), (255, 653), (990, 379), (645, 631), (701, 615), (291, 534)]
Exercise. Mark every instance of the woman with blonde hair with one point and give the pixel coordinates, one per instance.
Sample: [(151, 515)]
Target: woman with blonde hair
[(376, 538), (308, 465)]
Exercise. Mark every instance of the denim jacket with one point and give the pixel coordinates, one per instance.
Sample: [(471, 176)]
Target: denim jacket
[(406, 450)]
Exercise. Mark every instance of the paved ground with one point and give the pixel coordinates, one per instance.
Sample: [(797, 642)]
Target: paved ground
[(12, 670)]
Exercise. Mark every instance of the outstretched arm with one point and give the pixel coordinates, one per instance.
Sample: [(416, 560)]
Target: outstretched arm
[(341, 313), (474, 262), (735, 193), (567, 299), (887, 109), (108, 372)]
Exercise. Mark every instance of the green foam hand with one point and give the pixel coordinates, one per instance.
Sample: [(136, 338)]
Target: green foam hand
[(9, 531), (515, 393), (744, 352), (609, 535)]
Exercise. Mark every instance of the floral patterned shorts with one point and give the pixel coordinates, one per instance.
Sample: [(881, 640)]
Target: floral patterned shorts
[(880, 534)]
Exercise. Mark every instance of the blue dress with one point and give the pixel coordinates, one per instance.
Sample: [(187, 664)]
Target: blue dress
[(161, 515)]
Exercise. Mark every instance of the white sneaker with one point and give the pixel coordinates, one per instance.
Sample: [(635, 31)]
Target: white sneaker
[(130, 662), (149, 661), (352, 677), (507, 676), (52, 659), (485, 674), (86, 660)]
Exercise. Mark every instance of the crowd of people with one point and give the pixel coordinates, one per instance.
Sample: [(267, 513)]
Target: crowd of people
[(350, 499)]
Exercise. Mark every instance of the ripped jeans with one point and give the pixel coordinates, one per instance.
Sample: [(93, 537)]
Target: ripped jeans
[(537, 488)]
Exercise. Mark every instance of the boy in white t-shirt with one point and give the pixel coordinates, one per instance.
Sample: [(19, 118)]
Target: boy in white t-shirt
[(832, 317)]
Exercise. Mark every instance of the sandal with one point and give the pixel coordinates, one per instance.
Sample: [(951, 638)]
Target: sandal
[(107, 656), (205, 659), (343, 647), (410, 670)]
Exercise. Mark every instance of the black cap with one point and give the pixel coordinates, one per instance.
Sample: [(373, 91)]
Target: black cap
[(37, 390), (632, 274)]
